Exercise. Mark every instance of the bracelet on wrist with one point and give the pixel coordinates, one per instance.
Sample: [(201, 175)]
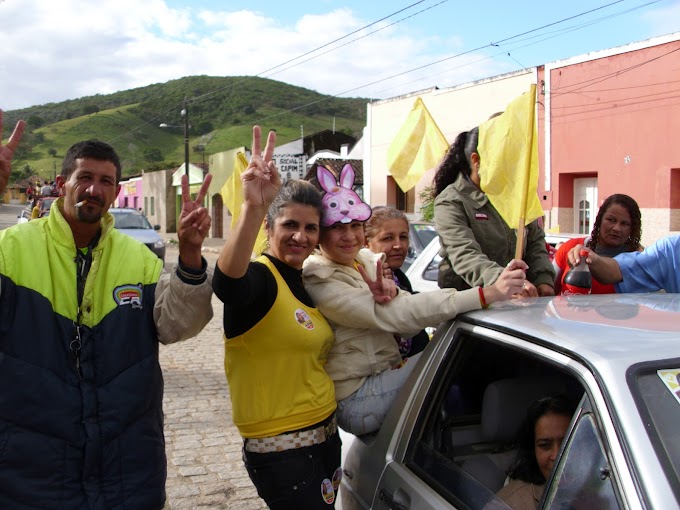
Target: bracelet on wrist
[(482, 300)]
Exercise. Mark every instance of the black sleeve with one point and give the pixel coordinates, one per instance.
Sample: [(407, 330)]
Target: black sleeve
[(242, 291), (247, 299)]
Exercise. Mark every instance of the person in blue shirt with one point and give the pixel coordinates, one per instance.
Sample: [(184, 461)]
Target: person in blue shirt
[(655, 268)]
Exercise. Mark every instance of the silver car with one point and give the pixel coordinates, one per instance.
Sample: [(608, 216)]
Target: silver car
[(134, 224), (422, 272), (449, 438)]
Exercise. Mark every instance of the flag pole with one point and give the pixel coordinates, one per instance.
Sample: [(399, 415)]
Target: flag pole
[(528, 147)]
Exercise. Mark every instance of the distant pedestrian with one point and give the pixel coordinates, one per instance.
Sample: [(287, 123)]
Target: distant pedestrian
[(46, 190)]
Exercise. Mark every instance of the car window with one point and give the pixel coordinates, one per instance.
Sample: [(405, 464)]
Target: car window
[(583, 476), (432, 270), (425, 233), (656, 388), (465, 436), (130, 220)]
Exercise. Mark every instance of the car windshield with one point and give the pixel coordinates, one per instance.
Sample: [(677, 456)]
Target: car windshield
[(658, 399), (130, 220), (425, 232)]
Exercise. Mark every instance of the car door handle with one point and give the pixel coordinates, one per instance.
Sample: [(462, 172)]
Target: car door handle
[(393, 502)]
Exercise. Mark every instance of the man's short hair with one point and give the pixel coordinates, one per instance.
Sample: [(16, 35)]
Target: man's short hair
[(94, 149)]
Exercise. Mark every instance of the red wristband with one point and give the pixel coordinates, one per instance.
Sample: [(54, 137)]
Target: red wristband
[(482, 301)]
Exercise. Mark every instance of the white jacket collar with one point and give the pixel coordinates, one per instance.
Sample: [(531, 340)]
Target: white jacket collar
[(321, 267)]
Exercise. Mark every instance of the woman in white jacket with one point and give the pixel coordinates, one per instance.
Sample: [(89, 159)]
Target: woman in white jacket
[(364, 362)]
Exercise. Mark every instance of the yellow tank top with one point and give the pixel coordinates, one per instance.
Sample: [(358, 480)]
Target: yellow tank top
[(275, 370)]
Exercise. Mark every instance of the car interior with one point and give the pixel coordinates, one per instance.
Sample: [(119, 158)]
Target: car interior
[(468, 430)]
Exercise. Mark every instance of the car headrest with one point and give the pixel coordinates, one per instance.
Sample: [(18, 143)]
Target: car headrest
[(506, 402)]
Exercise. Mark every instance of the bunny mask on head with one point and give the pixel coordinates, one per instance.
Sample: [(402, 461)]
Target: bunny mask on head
[(340, 202)]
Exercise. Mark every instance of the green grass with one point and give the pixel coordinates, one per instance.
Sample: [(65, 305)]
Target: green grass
[(130, 121)]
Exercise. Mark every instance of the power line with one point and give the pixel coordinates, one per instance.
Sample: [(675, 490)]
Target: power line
[(193, 100), (492, 44), (543, 37), (608, 76)]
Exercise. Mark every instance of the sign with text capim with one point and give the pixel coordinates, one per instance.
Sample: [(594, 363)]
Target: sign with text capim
[(291, 166)]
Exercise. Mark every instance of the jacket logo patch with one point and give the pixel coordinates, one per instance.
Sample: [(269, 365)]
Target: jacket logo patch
[(303, 319), (481, 216), (128, 295)]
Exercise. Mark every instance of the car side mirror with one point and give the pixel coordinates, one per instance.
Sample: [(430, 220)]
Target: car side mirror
[(156, 227)]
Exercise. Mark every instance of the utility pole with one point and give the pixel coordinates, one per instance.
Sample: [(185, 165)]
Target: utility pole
[(185, 114)]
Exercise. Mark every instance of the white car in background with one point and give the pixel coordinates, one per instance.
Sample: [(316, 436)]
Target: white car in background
[(423, 271)]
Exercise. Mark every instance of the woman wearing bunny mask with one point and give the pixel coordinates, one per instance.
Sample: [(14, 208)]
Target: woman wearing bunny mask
[(345, 281)]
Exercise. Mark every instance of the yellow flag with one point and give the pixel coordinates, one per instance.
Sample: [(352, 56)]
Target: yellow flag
[(232, 196), (418, 146), (508, 151)]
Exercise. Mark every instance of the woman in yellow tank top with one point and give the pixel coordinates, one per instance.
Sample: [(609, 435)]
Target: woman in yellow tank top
[(276, 342)]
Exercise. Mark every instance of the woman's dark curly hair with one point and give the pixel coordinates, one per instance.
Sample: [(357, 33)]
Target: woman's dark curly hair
[(525, 467), (633, 242), (456, 160)]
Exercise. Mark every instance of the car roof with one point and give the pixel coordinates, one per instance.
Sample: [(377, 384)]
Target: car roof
[(124, 210), (616, 330)]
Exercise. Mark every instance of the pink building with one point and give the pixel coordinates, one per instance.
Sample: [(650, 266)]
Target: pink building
[(612, 127), (131, 193)]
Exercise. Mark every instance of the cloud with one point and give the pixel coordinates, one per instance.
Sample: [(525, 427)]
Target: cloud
[(663, 20), (64, 49)]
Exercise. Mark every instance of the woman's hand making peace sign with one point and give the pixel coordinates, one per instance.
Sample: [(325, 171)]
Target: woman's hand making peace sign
[(261, 180)]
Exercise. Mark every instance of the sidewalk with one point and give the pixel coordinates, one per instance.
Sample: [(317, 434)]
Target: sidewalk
[(210, 245)]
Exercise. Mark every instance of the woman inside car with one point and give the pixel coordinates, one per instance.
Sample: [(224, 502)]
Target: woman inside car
[(345, 281), (276, 342), (617, 229), (539, 440)]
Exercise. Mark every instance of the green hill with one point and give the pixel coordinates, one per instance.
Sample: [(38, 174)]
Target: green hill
[(222, 111)]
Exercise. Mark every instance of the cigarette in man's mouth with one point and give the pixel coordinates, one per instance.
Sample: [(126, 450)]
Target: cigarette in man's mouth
[(81, 203)]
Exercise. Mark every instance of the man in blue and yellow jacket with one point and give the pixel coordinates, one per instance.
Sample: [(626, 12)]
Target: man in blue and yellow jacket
[(82, 311)]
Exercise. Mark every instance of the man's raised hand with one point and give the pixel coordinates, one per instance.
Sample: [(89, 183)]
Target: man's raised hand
[(7, 151)]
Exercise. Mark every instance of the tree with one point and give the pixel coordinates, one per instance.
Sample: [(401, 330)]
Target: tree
[(35, 121), (90, 108), (205, 127), (24, 173), (52, 152), (153, 154), (427, 203)]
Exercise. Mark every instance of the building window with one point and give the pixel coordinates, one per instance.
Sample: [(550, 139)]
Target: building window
[(146, 205), (584, 217), (125, 202), (153, 207)]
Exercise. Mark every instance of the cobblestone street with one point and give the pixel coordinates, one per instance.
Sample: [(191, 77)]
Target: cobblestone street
[(205, 469)]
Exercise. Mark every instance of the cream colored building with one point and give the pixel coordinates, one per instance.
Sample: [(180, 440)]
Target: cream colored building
[(454, 110)]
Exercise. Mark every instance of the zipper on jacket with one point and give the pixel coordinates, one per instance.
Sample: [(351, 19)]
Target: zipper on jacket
[(83, 264), (75, 346)]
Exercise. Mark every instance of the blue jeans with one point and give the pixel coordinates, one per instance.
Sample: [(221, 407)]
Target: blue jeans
[(364, 410), (303, 478)]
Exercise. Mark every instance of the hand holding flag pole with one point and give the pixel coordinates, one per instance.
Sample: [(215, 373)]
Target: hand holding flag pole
[(508, 150)]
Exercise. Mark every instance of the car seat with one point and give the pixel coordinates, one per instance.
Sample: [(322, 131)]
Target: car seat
[(504, 407)]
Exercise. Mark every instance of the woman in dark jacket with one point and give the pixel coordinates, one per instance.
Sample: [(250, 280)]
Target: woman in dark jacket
[(387, 232), (476, 243)]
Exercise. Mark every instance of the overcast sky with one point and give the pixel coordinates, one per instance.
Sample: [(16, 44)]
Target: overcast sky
[(52, 50)]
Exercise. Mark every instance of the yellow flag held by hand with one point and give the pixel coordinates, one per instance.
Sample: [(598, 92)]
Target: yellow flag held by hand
[(508, 151), (232, 196), (418, 146)]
